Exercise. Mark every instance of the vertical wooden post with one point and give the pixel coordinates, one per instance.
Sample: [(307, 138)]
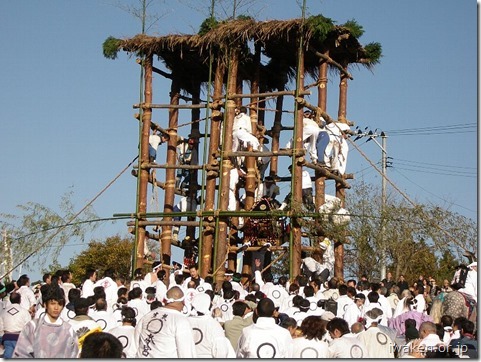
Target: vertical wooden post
[(251, 179), (339, 246), (171, 159), (193, 184), (343, 84), (340, 192), (296, 246), (144, 159), (276, 134), (207, 242), (221, 242), (320, 183)]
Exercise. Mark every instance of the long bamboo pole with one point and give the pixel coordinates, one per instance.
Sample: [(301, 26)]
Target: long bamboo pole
[(210, 186), (166, 235), (222, 241), (144, 157)]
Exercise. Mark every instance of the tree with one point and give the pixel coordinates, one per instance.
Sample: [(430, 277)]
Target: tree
[(39, 233), (418, 239), (115, 252)]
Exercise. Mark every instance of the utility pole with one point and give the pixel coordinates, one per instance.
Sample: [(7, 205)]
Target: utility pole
[(384, 164), (383, 204)]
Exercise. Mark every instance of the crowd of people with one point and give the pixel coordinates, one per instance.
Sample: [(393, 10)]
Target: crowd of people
[(182, 315)]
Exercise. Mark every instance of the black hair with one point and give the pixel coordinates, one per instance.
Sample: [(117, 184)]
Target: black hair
[(15, 298), (54, 292), (343, 289), (239, 308), (121, 291), (339, 324), (23, 280), (156, 304), (46, 276), (101, 345), (74, 294), (265, 308), (373, 297), (128, 315)]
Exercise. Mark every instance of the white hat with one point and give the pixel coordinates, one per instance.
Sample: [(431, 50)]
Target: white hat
[(201, 303), (474, 263)]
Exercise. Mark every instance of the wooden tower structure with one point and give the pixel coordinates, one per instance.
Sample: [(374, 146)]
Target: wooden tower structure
[(250, 63)]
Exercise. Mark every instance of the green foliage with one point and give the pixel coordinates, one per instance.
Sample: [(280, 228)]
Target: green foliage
[(38, 234), (354, 28), (446, 266), (207, 25), (419, 239), (111, 47), (373, 52), (320, 25), (245, 17), (115, 252)]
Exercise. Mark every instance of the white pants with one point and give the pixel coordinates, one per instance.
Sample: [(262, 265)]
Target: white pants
[(241, 135), (309, 137), (333, 150), (233, 180)]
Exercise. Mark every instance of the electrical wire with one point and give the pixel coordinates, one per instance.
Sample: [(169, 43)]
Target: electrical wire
[(42, 245), (427, 191), (432, 130)]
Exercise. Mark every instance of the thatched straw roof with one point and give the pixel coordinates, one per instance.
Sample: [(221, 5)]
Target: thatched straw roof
[(279, 39)]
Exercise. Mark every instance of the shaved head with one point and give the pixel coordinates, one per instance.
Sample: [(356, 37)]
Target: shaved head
[(174, 293)]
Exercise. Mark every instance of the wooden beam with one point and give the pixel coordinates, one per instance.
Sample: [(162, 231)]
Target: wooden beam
[(325, 172), (331, 61), (268, 94)]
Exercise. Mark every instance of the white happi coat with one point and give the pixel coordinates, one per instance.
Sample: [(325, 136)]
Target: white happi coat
[(347, 347), (309, 348), (378, 344), (126, 336), (209, 337), (164, 333), (264, 339)]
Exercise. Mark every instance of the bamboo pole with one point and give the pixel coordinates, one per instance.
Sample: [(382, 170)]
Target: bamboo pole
[(296, 188), (221, 246), (320, 177), (159, 184), (210, 187), (169, 222), (276, 134), (268, 94), (340, 190), (182, 167), (289, 152), (173, 106), (326, 173), (169, 197), (144, 157)]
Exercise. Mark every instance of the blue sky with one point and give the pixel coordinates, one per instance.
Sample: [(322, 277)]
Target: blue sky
[(67, 116)]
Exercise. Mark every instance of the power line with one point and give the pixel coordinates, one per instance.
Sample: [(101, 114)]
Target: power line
[(448, 169), (426, 133), (455, 174), (436, 164), (440, 128), (427, 191), (42, 245)]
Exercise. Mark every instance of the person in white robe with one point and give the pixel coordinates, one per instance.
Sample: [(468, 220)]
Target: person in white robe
[(165, 332), (343, 344), (264, 338), (209, 337), (378, 344)]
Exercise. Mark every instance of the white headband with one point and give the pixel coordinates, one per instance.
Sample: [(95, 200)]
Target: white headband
[(172, 300)]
